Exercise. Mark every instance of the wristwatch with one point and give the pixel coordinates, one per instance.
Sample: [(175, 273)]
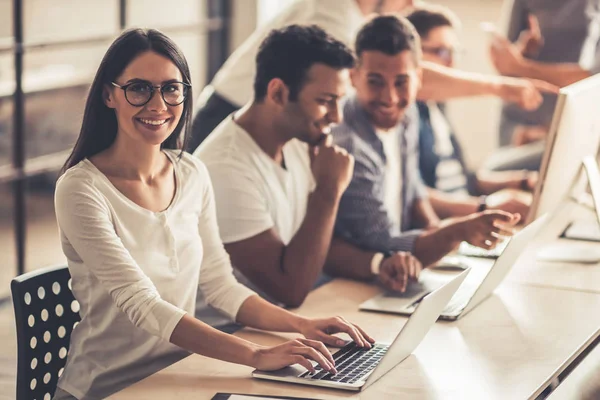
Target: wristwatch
[(482, 205), (524, 184)]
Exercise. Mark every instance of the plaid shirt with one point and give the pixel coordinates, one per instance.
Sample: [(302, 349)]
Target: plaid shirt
[(362, 218)]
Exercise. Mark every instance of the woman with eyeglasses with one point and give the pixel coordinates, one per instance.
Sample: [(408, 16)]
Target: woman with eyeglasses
[(138, 227)]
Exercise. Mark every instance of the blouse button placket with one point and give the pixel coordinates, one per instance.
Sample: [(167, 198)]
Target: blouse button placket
[(173, 262)]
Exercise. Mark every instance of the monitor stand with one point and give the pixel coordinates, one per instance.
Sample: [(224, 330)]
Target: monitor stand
[(582, 230)]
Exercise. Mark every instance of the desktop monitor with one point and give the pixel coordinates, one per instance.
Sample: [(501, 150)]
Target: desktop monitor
[(574, 135)]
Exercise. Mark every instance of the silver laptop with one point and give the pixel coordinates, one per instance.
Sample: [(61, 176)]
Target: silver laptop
[(470, 294), (468, 250), (359, 368)]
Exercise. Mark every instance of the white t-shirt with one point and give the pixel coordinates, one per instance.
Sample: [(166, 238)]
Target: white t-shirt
[(253, 193), (340, 18), (393, 174), (136, 273)]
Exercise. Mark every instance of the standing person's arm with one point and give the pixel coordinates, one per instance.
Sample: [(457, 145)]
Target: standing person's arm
[(508, 60), (442, 83), (284, 272)]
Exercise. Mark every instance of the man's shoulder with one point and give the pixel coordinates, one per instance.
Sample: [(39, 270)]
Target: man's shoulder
[(225, 145), (365, 155), (346, 136)]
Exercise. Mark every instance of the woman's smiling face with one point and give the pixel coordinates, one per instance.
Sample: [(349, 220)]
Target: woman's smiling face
[(156, 120)]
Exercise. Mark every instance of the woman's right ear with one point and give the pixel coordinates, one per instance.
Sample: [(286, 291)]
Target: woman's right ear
[(107, 97)]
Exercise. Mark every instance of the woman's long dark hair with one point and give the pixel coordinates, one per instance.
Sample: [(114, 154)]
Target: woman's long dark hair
[(99, 126)]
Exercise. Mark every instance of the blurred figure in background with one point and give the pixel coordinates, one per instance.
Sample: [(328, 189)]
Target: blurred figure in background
[(441, 162), (232, 86), (553, 40)]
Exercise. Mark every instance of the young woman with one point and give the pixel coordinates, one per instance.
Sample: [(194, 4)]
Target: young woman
[(138, 227)]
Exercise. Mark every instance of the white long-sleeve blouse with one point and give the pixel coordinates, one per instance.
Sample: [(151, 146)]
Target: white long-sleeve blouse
[(135, 273)]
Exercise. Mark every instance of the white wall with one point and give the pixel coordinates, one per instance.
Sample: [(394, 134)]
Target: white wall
[(476, 119), (243, 21), (68, 19)]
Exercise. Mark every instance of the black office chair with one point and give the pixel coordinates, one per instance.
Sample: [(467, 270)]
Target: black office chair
[(45, 314)]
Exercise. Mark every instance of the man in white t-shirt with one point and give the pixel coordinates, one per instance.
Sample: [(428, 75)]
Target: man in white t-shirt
[(277, 179), (232, 85)]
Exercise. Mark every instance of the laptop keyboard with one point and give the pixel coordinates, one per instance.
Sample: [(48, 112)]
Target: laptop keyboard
[(352, 363)]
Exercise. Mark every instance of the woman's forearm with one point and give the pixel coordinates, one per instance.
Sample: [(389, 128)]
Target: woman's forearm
[(258, 313), (197, 337)]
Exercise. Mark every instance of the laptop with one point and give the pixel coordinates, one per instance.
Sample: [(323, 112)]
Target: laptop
[(468, 250), (470, 294), (359, 368)]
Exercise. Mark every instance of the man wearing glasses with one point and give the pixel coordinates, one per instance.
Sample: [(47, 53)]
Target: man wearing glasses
[(441, 160)]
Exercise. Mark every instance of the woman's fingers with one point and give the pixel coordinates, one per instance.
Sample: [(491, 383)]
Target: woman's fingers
[(364, 334), (312, 354), (298, 359), (319, 346), (354, 333)]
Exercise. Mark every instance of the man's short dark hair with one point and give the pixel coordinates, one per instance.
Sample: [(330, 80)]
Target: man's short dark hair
[(427, 18), (289, 52), (389, 34)]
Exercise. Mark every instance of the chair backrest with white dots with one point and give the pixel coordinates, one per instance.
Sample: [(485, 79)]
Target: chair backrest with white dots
[(45, 314)]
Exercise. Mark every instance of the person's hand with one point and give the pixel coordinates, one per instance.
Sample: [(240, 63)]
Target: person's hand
[(485, 229), (506, 56), (526, 93), (530, 41), (299, 351), (323, 329), (508, 200), (396, 270), (532, 180), (332, 167), (524, 134)]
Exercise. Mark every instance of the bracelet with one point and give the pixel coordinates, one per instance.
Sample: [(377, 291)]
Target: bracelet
[(482, 205), (377, 259), (376, 263)]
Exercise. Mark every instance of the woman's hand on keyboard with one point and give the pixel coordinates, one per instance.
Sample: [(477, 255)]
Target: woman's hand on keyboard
[(323, 329), (299, 351)]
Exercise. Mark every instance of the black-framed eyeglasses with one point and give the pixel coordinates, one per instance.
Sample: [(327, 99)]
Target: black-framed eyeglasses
[(139, 93), (445, 53)]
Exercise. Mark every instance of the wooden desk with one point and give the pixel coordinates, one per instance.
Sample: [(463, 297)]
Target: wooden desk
[(569, 276), (509, 347), (582, 382)]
